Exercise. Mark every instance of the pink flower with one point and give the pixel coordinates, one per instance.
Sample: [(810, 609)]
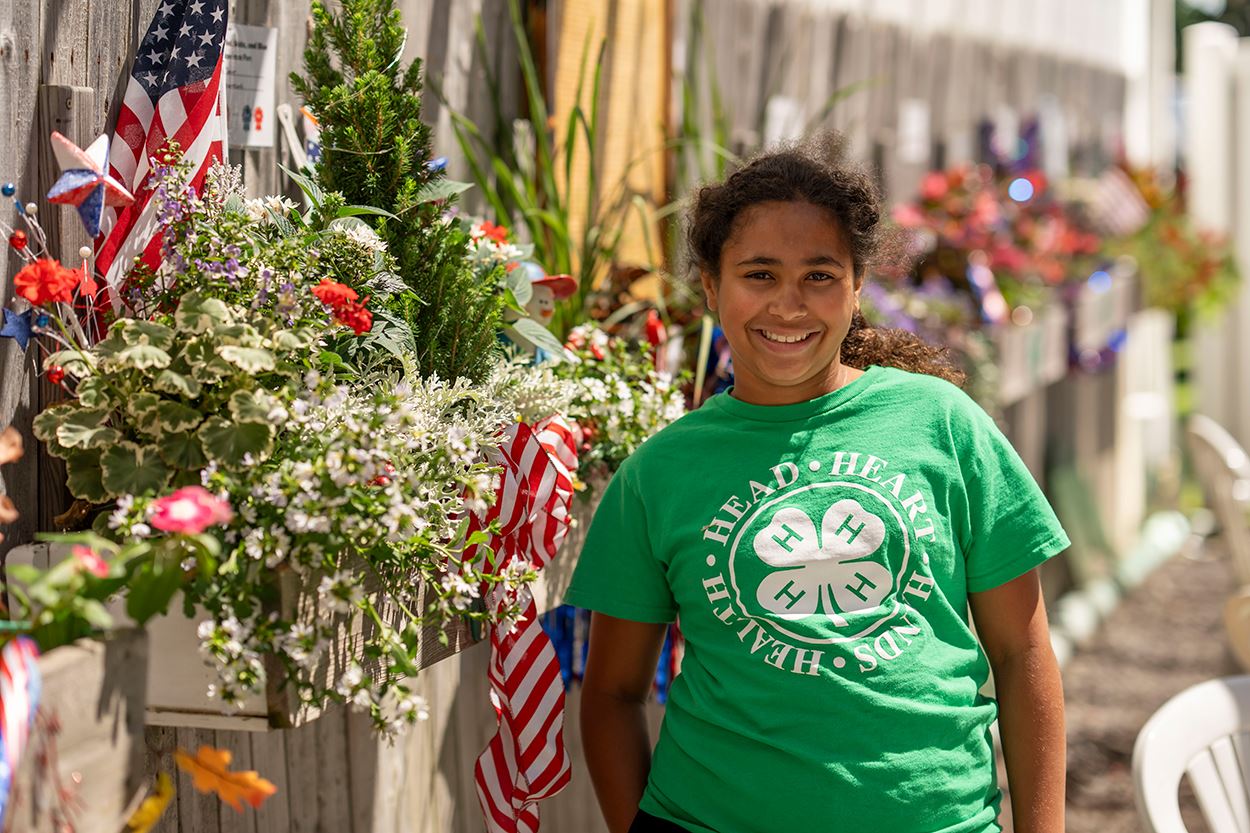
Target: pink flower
[(190, 511), (91, 561)]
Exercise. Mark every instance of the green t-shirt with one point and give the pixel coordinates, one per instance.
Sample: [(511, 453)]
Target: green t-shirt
[(819, 556)]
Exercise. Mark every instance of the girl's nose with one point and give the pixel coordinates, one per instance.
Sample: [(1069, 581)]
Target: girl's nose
[(787, 303)]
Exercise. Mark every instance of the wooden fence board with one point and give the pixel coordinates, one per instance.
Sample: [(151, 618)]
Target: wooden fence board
[(334, 805), (197, 811), (159, 745), (269, 759), (301, 776), (240, 748)]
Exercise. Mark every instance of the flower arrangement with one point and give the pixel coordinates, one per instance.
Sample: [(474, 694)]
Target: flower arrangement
[(620, 399), (1183, 268), (242, 419), (1030, 241)]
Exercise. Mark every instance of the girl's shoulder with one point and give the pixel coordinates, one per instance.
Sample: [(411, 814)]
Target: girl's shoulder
[(922, 393)]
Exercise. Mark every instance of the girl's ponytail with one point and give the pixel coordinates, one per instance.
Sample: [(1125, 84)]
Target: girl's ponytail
[(866, 345)]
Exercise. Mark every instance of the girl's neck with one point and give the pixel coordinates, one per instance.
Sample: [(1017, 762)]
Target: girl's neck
[(759, 392)]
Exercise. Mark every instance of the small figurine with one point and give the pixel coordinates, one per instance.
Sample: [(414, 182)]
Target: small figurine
[(546, 290)]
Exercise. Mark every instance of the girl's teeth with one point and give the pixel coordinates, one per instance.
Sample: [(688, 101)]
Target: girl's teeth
[(784, 339)]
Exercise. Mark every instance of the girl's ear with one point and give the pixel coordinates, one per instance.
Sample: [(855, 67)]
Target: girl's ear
[(709, 289)]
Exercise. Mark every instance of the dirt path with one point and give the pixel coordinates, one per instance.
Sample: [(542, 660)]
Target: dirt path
[(1165, 636)]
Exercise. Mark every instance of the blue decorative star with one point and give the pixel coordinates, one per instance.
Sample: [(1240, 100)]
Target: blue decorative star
[(17, 326)]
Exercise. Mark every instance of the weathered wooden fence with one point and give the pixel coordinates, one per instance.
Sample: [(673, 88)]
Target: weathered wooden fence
[(63, 64)]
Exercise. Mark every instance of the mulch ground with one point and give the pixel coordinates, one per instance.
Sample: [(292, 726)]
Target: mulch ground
[(1165, 636)]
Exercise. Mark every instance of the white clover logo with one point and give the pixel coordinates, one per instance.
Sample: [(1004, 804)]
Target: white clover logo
[(829, 571)]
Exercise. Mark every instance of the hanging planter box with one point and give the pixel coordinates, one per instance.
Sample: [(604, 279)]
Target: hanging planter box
[(84, 761), (178, 679), (1032, 355)]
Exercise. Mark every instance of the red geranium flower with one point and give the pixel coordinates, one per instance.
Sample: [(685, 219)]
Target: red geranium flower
[(354, 315), (46, 281), (497, 233), (334, 295)]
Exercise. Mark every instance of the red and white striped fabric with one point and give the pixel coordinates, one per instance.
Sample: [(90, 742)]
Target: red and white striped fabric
[(175, 92), (526, 760), (20, 686)]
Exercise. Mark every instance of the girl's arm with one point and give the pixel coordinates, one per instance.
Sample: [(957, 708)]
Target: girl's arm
[(618, 678), (1011, 621)]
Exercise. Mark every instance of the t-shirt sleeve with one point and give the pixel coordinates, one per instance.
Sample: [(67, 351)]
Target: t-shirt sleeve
[(1011, 527), (618, 573)]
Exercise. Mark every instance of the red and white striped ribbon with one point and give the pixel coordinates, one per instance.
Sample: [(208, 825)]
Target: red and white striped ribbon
[(526, 760)]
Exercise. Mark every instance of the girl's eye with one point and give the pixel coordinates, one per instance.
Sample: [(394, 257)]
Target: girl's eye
[(822, 276), (758, 276)]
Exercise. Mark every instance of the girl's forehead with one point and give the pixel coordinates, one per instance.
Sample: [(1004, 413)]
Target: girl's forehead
[(787, 226)]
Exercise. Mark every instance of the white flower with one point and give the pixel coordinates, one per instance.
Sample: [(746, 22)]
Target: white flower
[(461, 593), (255, 211)]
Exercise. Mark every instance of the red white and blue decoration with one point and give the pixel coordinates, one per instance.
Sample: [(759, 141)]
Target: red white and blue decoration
[(175, 93), (85, 181), (18, 326), (20, 685), (526, 760)]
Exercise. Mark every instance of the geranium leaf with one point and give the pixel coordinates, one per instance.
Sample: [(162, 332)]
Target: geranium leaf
[(169, 381), (93, 393), (251, 406), (197, 314), (74, 362), (291, 339), (86, 429), (182, 450), (148, 332), (85, 475), (45, 424), (130, 469), (174, 416), (228, 442), (247, 359), (142, 357)]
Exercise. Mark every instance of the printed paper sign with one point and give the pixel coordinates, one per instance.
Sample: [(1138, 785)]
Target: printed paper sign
[(251, 69)]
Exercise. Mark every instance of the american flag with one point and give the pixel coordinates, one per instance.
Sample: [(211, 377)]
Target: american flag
[(526, 760), (175, 92)]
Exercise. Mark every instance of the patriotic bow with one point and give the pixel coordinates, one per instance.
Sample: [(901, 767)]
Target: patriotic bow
[(526, 760)]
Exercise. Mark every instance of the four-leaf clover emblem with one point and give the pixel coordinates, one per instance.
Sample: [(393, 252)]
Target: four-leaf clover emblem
[(829, 570)]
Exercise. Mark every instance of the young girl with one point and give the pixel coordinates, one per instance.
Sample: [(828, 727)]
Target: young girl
[(820, 530)]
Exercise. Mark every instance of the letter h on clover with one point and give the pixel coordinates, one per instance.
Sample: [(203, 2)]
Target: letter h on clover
[(830, 571)]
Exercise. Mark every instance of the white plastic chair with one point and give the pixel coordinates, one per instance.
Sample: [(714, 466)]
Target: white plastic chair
[(1223, 468), (1204, 733)]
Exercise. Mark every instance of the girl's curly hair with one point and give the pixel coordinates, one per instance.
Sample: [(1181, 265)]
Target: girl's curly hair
[(814, 172)]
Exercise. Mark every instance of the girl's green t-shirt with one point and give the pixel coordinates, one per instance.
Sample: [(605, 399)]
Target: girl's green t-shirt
[(819, 558)]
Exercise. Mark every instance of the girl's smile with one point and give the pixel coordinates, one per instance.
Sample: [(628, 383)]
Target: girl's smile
[(785, 295)]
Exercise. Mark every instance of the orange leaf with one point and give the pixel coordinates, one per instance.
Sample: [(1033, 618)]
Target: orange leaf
[(210, 772), (10, 445)]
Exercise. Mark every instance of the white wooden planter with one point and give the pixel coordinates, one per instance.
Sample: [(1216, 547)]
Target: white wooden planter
[(1032, 355), (89, 740), (178, 678)]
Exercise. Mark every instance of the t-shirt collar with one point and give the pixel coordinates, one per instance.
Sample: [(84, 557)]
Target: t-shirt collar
[(798, 410)]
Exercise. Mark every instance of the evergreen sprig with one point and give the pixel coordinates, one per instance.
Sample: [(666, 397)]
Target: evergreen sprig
[(375, 150)]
